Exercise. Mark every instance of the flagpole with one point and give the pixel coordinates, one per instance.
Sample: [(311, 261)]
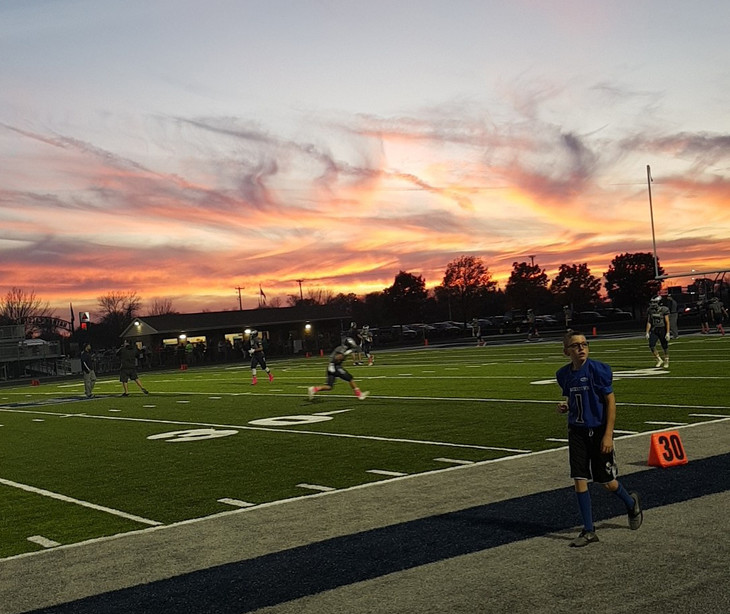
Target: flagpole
[(651, 213)]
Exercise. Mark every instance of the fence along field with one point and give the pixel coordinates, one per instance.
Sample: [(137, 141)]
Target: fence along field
[(205, 441)]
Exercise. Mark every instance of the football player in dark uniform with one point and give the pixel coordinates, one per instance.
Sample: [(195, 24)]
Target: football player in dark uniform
[(257, 357), (335, 370), (366, 344), (657, 329), (354, 334), (589, 401), (719, 313)]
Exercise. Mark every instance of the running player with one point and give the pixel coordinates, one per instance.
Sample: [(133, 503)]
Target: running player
[(335, 370), (257, 357)]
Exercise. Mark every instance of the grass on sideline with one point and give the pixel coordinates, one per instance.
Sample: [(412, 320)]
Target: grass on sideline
[(73, 469)]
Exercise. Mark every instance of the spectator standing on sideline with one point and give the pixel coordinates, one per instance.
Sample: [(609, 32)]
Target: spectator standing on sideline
[(88, 369), (532, 332), (257, 357), (476, 329), (657, 329), (589, 401), (568, 315), (719, 313), (128, 368), (336, 370), (673, 316)]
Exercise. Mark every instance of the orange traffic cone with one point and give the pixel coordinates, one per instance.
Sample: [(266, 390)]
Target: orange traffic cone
[(666, 450)]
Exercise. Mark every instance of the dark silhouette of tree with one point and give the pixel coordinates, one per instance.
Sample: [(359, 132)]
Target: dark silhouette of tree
[(21, 307), (405, 297), (314, 296), (630, 280), (161, 307), (527, 287), (117, 311), (575, 286), (374, 309), (466, 280)]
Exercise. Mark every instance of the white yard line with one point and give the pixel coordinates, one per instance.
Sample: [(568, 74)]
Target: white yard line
[(454, 461), (282, 430), (66, 499), (280, 502)]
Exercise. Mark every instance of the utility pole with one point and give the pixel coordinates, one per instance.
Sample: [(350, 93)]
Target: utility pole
[(240, 303), (532, 261), (649, 179), (301, 296)]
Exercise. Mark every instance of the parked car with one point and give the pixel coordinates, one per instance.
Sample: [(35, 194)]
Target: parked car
[(589, 317), (505, 324), (546, 320), (423, 330), (614, 314), (404, 332), (484, 323), (689, 310), (446, 329)]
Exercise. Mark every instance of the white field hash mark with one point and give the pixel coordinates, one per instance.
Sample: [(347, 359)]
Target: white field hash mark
[(316, 487), (236, 502), (454, 461), (66, 499), (43, 541)]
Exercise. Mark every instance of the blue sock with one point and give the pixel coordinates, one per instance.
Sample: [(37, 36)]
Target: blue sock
[(584, 504), (625, 496)]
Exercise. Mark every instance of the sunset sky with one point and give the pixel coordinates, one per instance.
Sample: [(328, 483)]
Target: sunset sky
[(181, 148)]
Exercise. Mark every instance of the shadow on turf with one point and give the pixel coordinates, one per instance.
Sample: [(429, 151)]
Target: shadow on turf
[(251, 584)]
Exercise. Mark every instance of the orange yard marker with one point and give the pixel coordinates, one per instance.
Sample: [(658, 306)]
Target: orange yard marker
[(666, 450)]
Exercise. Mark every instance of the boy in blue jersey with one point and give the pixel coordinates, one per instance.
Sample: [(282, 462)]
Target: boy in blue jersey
[(590, 403)]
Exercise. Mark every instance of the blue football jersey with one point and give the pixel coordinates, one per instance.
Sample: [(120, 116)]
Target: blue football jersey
[(586, 390)]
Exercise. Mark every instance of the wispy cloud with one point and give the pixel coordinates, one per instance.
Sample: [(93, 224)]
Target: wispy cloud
[(348, 201)]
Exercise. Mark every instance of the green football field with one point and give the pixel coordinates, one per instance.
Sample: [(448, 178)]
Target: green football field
[(205, 441)]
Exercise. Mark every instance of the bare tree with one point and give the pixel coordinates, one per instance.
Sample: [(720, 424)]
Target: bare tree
[(21, 307), (118, 309), (315, 296), (161, 307)]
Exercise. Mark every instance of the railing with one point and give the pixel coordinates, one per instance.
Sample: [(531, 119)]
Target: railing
[(21, 351)]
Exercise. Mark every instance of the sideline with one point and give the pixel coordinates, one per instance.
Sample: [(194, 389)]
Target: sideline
[(67, 499)]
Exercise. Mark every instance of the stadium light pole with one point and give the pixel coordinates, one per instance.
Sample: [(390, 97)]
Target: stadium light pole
[(651, 214)]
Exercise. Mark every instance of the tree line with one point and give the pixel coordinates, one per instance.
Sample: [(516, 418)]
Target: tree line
[(467, 290)]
